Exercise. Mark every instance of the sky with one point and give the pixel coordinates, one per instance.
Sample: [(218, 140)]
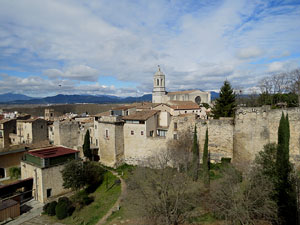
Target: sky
[(113, 47)]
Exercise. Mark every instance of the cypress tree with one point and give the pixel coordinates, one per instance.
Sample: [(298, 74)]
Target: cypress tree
[(285, 188), (195, 156), (86, 145), (225, 104), (206, 159)]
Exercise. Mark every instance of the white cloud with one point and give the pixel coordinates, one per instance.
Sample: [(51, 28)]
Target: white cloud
[(80, 72), (197, 44), (248, 53)]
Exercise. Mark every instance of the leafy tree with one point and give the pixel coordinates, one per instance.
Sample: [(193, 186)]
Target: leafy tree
[(86, 145), (225, 104), (206, 160), (195, 156), (286, 194), (73, 175), (78, 174)]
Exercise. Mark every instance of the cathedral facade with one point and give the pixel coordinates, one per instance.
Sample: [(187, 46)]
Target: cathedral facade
[(160, 95)]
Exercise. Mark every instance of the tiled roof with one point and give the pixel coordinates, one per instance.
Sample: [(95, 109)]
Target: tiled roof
[(106, 113), (141, 115), (124, 107), (5, 120), (181, 92), (52, 152), (183, 105), (30, 120)]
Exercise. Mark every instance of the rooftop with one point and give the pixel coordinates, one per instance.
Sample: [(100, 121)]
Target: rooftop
[(30, 120), (181, 92), (52, 152), (141, 115), (183, 105), (124, 107)]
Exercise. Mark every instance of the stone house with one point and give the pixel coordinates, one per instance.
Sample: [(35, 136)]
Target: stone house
[(31, 131), (44, 166), (7, 126)]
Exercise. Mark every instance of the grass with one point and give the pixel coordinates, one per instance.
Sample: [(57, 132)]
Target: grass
[(104, 200)]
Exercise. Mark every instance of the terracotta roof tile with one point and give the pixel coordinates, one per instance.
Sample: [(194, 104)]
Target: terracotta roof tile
[(141, 115), (183, 105), (181, 92)]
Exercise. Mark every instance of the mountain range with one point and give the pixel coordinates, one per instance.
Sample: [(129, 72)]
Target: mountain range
[(11, 98)]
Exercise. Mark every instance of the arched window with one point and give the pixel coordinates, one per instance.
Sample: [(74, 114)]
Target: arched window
[(157, 82)]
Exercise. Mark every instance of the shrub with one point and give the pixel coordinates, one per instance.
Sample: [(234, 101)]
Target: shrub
[(63, 208), (50, 210), (45, 207), (225, 160), (15, 172), (82, 199)]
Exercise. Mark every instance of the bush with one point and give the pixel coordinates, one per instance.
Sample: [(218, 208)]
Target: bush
[(82, 199), (225, 160), (15, 172), (63, 208), (45, 207), (49, 208)]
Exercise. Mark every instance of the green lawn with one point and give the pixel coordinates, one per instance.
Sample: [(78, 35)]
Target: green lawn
[(104, 200)]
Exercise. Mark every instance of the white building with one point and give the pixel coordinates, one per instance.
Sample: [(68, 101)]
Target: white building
[(160, 95)]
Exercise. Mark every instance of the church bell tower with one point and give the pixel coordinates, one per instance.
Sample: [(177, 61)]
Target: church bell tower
[(159, 90)]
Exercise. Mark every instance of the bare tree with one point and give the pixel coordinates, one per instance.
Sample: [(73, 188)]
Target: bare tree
[(295, 82), (243, 200), (162, 195), (180, 150)]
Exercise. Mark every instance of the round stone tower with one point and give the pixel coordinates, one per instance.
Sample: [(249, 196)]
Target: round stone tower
[(159, 90)]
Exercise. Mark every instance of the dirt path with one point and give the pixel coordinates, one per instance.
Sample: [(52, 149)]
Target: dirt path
[(116, 206)]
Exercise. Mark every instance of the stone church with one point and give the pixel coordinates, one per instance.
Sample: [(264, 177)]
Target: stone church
[(160, 95)]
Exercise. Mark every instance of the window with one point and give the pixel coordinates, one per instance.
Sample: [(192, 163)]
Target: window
[(142, 132), (175, 126), (42, 126), (2, 172), (96, 142), (175, 136), (185, 111), (132, 132), (161, 133), (151, 133), (157, 82), (49, 192), (106, 133), (1, 134)]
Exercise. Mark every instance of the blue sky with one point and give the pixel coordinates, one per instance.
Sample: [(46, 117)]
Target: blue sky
[(113, 47)]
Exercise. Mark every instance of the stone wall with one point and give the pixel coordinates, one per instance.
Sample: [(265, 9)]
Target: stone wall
[(255, 127), (66, 133), (220, 135), (43, 179)]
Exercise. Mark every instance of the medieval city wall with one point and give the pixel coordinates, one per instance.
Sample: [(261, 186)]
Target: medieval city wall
[(255, 127)]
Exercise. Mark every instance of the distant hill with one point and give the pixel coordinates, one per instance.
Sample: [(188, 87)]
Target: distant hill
[(72, 99), (214, 95), (11, 98), (8, 97)]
